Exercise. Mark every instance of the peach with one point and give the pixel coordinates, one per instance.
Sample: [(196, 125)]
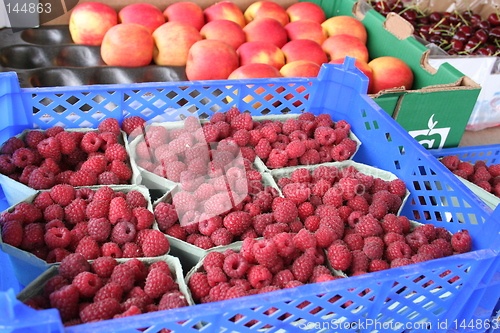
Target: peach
[(173, 41), (142, 13), (306, 11), (224, 30), (254, 71), (261, 52), (127, 45), (362, 66), (225, 10), (339, 46), (187, 12), (343, 24), (89, 22), (266, 30), (304, 49), (300, 68), (211, 59), (261, 9), (390, 72), (306, 29)]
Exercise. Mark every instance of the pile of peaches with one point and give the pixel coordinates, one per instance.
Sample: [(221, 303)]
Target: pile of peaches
[(223, 41)]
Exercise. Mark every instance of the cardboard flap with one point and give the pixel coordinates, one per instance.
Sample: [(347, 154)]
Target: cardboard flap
[(463, 82), (424, 62), (394, 90), (360, 8), (398, 26)]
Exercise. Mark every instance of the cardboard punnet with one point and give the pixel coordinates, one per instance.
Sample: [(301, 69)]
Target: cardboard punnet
[(435, 112)]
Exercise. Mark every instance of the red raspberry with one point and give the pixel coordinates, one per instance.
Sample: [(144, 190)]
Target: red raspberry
[(420, 257), (392, 237), (53, 212), (373, 250), (123, 232), (302, 267), (360, 262), (67, 142), (121, 169), (123, 275), (443, 233), (304, 240), (429, 231), (109, 290), (172, 300), (354, 241), (12, 233), (57, 255), (97, 209), (89, 248), (116, 152), (213, 260), (397, 187), (133, 125), (344, 150), (259, 276), (263, 149), (73, 265), (221, 236), (131, 250), (165, 215), (432, 249), (281, 278), (63, 177), (265, 252), (53, 131), (108, 138), (378, 265), (235, 266), (23, 157), (461, 241), (416, 239), (112, 250), (96, 164), (297, 192), (155, 244), (143, 218), (325, 135), (216, 276), (284, 211), (241, 121), (54, 283), (103, 266), (75, 211), (7, 165), (65, 300), (203, 242), (57, 238), (83, 178), (359, 203), (277, 159), (101, 310), (41, 178), (451, 162), (91, 142), (34, 137), (493, 169), (368, 226), (340, 256), (398, 262), (51, 165), (62, 194), (207, 226), (158, 282), (237, 222), (119, 210), (480, 174), (87, 283), (333, 197), (109, 125), (310, 157), (398, 250), (11, 145), (28, 212)]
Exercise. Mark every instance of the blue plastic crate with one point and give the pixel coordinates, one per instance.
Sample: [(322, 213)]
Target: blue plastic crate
[(489, 154), (415, 296)]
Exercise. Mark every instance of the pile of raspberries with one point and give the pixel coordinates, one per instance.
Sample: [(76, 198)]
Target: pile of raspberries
[(43, 159), (204, 149), (93, 223), (486, 177), (86, 292)]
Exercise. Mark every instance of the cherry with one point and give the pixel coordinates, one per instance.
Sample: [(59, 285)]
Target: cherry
[(435, 17), (382, 7), (495, 35), (494, 19), (491, 48), (482, 35), (484, 25), (475, 19), (460, 36), (397, 7), (457, 45), (409, 15), (455, 18), (436, 39), (482, 51), (424, 20), (467, 30)]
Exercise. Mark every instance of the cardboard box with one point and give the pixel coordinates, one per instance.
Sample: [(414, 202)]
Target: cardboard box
[(435, 112)]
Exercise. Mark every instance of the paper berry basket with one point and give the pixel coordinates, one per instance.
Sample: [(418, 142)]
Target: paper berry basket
[(415, 295)]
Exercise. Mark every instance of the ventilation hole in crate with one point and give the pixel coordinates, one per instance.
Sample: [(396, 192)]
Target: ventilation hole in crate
[(237, 318), (60, 109), (159, 103), (388, 137), (427, 185), (46, 118), (397, 165), (444, 201), (265, 112), (269, 97), (193, 109), (194, 93), (433, 201), (172, 95), (98, 99), (110, 106), (73, 117), (146, 112), (416, 185), (215, 108), (473, 219), (72, 100), (256, 105), (421, 200), (46, 101), (401, 150), (438, 186), (367, 125), (182, 102), (375, 126), (85, 124), (204, 115), (85, 107)]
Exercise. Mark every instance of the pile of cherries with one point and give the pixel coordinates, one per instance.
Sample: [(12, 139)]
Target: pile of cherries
[(457, 33)]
